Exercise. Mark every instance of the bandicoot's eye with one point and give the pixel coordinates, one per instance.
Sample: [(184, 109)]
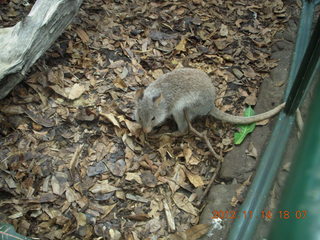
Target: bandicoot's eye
[(153, 118)]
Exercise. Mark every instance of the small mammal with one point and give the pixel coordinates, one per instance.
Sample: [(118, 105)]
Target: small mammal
[(184, 89)]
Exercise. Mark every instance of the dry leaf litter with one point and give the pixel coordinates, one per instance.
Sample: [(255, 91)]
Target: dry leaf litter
[(74, 164)]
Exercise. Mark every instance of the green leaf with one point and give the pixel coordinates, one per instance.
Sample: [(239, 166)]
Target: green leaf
[(244, 130), (7, 232)]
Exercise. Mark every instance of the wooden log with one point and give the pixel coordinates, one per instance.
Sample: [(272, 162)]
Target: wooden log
[(22, 44)]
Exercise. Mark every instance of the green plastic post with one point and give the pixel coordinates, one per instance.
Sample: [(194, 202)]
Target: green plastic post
[(298, 216)]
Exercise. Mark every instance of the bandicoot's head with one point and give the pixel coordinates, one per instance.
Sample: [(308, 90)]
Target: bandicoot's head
[(150, 109)]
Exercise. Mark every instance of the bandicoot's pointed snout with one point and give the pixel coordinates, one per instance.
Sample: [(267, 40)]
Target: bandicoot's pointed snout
[(146, 129)]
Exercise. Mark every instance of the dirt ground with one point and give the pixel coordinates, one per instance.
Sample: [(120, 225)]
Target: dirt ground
[(74, 163)]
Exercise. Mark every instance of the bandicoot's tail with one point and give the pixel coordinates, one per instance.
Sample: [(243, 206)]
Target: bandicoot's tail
[(215, 112)]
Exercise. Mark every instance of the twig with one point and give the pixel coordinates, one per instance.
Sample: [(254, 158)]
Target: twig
[(75, 160), (209, 184), (203, 135), (170, 219)]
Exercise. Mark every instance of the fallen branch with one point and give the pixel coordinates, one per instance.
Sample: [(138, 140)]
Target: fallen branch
[(23, 44)]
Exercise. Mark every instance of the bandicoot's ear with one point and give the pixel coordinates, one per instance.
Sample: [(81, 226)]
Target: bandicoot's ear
[(139, 94), (157, 99)]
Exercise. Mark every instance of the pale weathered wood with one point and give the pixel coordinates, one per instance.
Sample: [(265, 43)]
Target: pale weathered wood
[(22, 44)]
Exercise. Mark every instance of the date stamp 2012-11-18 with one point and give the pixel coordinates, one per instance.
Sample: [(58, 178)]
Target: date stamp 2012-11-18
[(284, 214)]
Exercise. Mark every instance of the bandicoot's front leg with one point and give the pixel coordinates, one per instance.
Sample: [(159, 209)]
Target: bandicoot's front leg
[(181, 121)]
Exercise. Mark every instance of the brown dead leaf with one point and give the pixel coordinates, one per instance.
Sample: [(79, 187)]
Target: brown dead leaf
[(180, 11), (111, 118), (263, 122), (184, 204), (252, 151), (240, 192), (10, 182), (129, 142), (71, 195), (250, 56), (56, 77), (37, 127), (178, 179), (194, 233), (155, 207), (158, 36), (238, 73), (124, 73), (181, 46), (251, 99), (194, 161), (107, 209), (59, 183), (70, 93), (137, 198), (120, 83), (250, 29), (239, 21), (154, 224), (15, 215), (83, 35), (133, 127), (227, 141), (224, 30), (189, 157), (11, 109), (157, 73), (220, 43), (75, 91), (250, 73), (81, 218), (86, 114), (196, 180), (101, 149), (37, 118), (197, 2), (116, 64), (148, 179), (103, 187), (114, 234), (169, 216), (138, 217), (117, 168), (130, 176), (96, 169), (187, 153)]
